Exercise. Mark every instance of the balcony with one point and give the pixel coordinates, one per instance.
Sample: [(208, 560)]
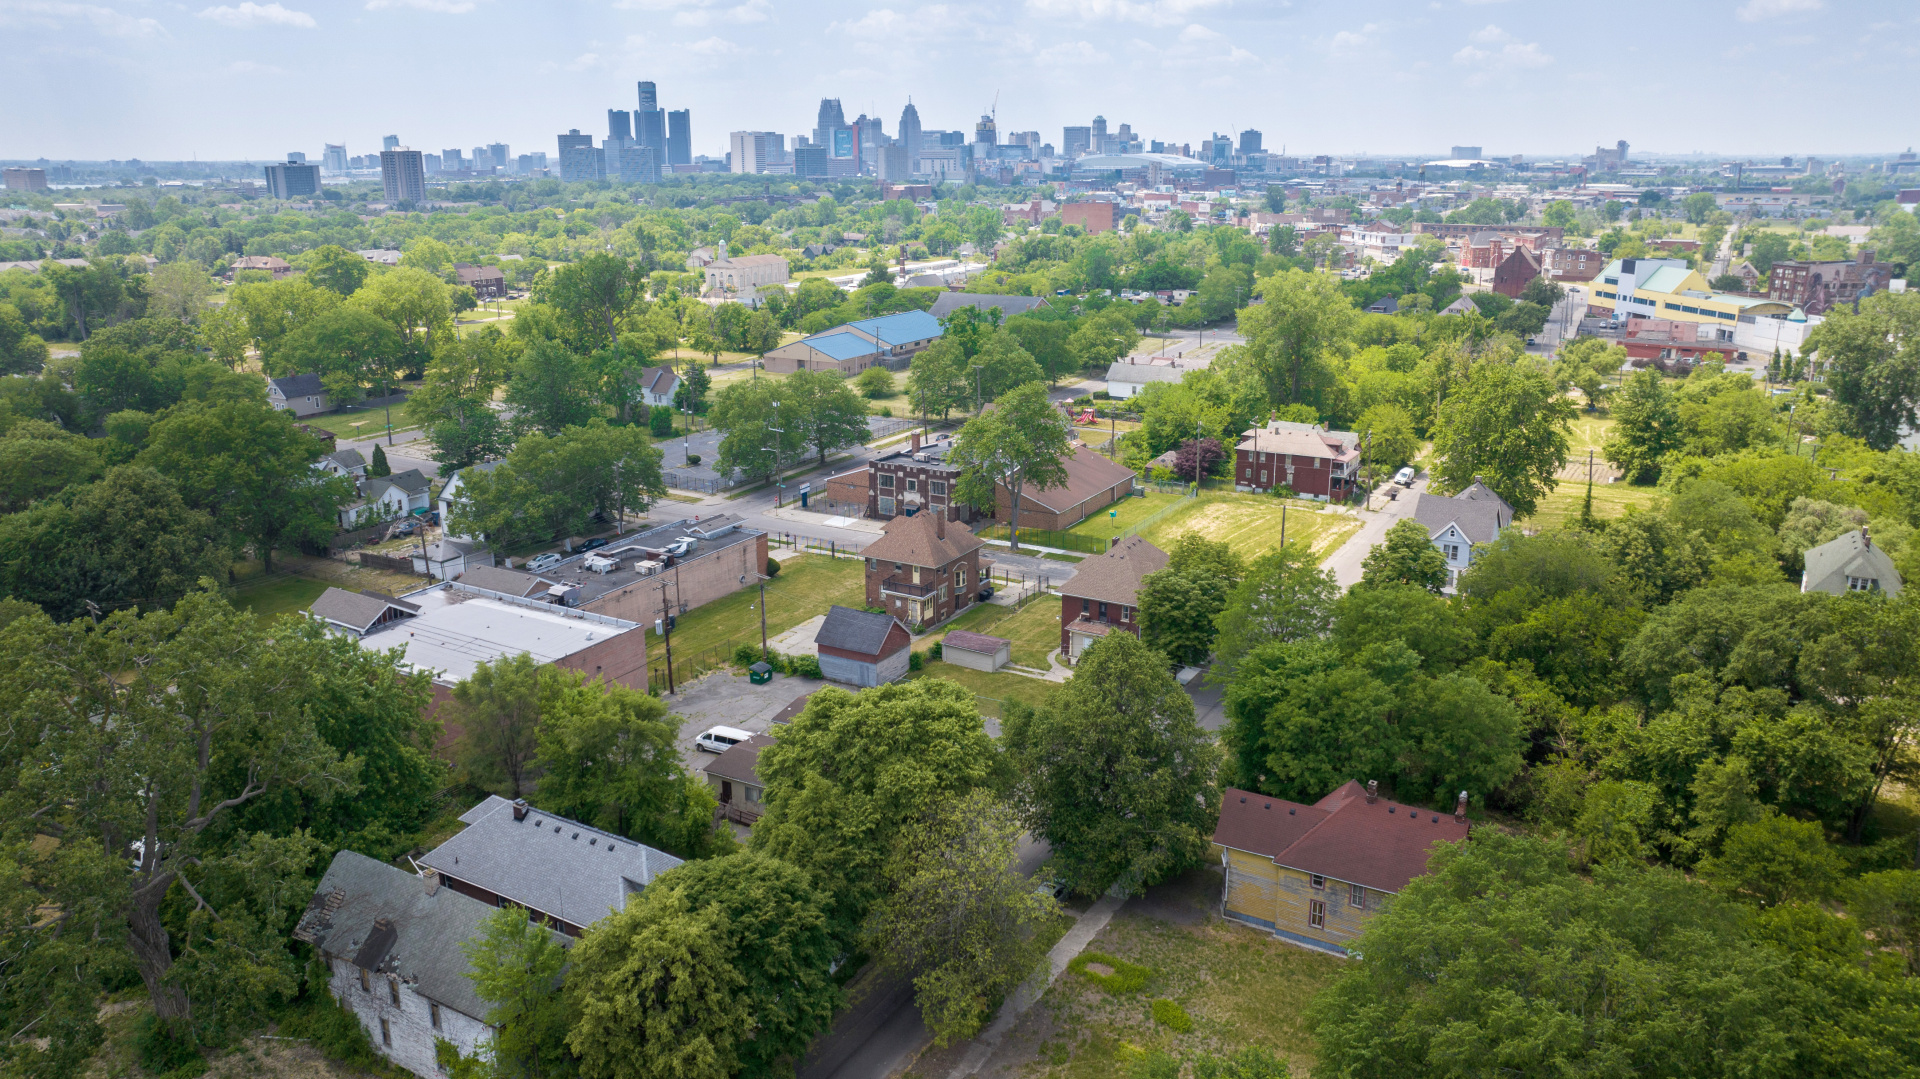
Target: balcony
[(897, 587)]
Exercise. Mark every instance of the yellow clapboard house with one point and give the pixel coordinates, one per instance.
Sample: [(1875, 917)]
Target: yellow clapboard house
[(1314, 874)]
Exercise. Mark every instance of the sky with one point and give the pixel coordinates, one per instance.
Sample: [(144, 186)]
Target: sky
[(240, 79)]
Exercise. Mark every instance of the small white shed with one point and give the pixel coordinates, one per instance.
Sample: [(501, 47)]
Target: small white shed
[(976, 650)]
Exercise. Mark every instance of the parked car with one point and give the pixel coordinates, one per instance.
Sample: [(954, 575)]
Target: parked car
[(590, 545), (1404, 477), (720, 739), (1050, 886), (404, 528), (544, 562)]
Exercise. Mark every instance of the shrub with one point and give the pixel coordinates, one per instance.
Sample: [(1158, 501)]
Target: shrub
[(164, 1050), (937, 648), (1126, 977), (746, 655), (917, 628), (1169, 1014), (693, 459), (916, 660), (882, 410), (804, 666), (773, 567), (660, 422), (1102, 395)]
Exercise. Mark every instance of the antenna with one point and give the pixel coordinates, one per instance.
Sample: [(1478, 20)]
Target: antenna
[(996, 109)]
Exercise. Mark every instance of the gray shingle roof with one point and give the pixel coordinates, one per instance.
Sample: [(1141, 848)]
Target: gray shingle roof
[(1480, 520), (569, 870), (507, 582), (947, 303), (348, 459), (422, 946), (661, 381), (299, 385), (1851, 554), (855, 631), (413, 481), (741, 761), (356, 610)]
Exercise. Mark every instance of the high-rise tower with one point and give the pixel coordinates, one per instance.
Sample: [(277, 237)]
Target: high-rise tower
[(910, 135)]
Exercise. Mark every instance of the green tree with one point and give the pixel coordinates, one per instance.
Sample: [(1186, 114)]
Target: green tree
[(937, 379), (775, 925), (1285, 596), (178, 290), (1113, 771), (1048, 342), (1002, 365), (654, 993), (349, 348), (1699, 206), (1775, 860), (1022, 441), (252, 469), (851, 773), (1390, 438), (427, 255), (1872, 362), (763, 431), (959, 917), (21, 350), (515, 965), (827, 410), (875, 383), (276, 308), (554, 486), (1405, 556), (337, 269), (455, 400), (1103, 338), (1292, 336), (38, 459), (1648, 427), (417, 304), (1505, 427), (1179, 604), (550, 390), (377, 465), (1588, 363), (497, 709), (607, 757), (594, 297), (1559, 214)]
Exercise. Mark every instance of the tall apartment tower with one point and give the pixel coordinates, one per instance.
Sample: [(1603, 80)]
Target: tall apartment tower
[(680, 137), (619, 125), (389, 142), (910, 135), (403, 175), (295, 179), (1250, 142), (334, 158)]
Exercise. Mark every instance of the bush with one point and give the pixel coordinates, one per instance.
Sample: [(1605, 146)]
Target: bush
[(883, 411), (693, 459), (874, 383), (746, 655), (1126, 977), (660, 422), (916, 660), (917, 628), (1169, 1014), (773, 567), (804, 666), (937, 648), (167, 1051), (1102, 395)]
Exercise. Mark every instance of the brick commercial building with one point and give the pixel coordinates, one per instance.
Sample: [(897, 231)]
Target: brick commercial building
[(671, 569), (1104, 594), (1674, 347), (1516, 272), (1541, 236), (1095, 217), (914, 480), (1816, 287), (1574, 263), (1308, 459), (923, 570), (1093, 483)]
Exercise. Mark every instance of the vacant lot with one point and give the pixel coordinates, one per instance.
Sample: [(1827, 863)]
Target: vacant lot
[(271, 599), (807, 586), (1252, 523), (997, 688), (1609, 500)]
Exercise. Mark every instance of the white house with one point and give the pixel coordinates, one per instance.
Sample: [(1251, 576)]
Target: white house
[(391, 942), (658, 386), (1126, 380), (1474, 516), (344, 463), (450, 496), (302, 395), (378, 501), (1850, 563)]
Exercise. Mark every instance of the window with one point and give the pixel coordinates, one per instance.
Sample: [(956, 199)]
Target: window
[(1316, 917), (1103, 612), (1085, 606), (433, 1014), (1263, 475), (960, 577), (393, 990), (1319, 881), (1357, 896), (1126, 614), (386, 1034), (1863, 584), (913, 485), (938, 487), (886, 506), (886, 481), (365, 985)]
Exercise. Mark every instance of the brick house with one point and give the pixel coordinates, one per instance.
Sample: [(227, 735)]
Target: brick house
[(1316, 874), (1574, 264), (1095, 217), (1309, 459), (912, 481), (1104, 594), (923, 570), (487, 282), (1816, 287), (1093, 483), (1516, 272)]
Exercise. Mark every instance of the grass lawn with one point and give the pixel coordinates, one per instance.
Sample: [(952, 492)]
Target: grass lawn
[(807, 586), (272, 598), (371, 421), (1034, 628), (1240, 986), (1609, 500), (998, 686), (1249, 522), (1590, 431), (1127, 513)]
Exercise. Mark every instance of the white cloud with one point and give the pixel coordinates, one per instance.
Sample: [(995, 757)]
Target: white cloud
[(926, 24), (252, 14), (53, 15), (1150, 12), (1503, 51), (1196, 33), (253, 67), (1349, 42), (1756, 10), (436, 7), (713, 46), (584, 61), (750, 12), (1070, 52)]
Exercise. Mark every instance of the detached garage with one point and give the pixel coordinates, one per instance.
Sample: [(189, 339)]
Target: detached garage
[(862, 649), (976, 650)]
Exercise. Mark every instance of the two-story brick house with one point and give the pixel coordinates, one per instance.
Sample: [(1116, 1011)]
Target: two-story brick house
[(1308, 459), (924, 569), (916, 480), (1104, 594), (1316, 874), (1818, 287)]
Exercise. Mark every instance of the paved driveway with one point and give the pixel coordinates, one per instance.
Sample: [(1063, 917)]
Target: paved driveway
[(1345, 561)]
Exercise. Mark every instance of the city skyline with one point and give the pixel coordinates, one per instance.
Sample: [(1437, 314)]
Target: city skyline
[(1410, 78)]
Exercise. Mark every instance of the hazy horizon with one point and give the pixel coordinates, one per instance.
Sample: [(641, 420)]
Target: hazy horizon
[(247, 81)]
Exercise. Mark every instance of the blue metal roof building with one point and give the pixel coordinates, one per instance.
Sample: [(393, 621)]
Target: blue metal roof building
[(888, 340)]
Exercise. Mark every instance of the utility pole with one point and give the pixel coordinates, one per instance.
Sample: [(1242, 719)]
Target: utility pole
[(764, 653), (776, 458), (666, 630)]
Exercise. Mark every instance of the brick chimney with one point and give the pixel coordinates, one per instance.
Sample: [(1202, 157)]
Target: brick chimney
[(1373, 791), (916, 442), (1866, 537), (431, 878), (940, 522), (520, 809), (1460, 809)]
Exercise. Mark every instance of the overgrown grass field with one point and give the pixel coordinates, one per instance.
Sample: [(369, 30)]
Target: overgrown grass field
[(806, 586)]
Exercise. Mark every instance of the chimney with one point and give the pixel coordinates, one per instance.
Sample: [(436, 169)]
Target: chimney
[(1373, 791), (939, 522), (431, 878), (916, 442), (1866, 538), (1460, 809), (519, 809)]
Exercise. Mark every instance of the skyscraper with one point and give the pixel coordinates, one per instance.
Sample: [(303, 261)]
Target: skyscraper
[(634, 164), (296, 157), (501, 155), (1250, 141), (1075, 141), (580, 159), (753, 151), (650, 129), (389, 142), (649, 98), (619, 124), (295, 179), (403, 174), (910, 135), (680, 137), (1097, 139), (831, 119), (335, 157)]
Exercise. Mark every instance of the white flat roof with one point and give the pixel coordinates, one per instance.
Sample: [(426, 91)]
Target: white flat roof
[(457, 631)]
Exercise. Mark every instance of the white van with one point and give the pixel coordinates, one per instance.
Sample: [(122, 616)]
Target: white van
[(1404, 477), (721, 739)]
